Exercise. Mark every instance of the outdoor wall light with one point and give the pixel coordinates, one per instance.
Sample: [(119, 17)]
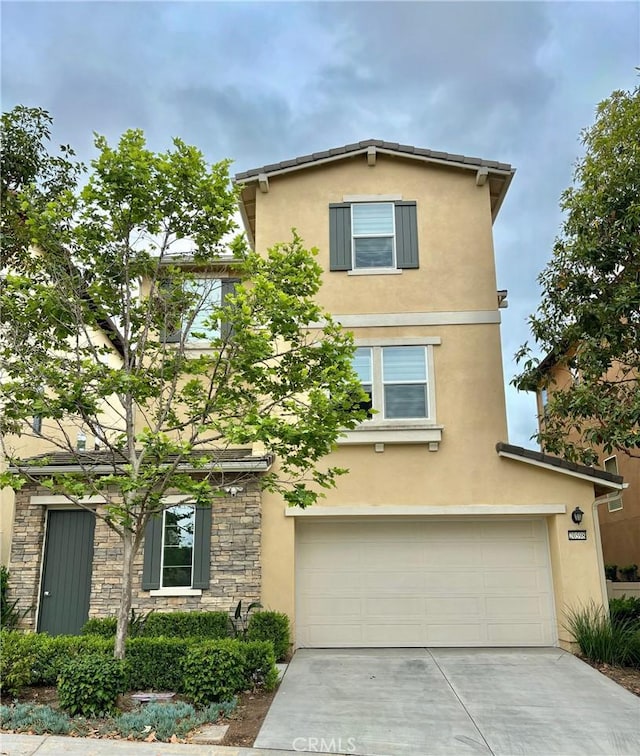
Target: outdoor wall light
[(577, 515)]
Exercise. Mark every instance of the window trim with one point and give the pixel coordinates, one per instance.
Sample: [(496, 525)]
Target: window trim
[(425, 383), (614, 504), (392, 235)]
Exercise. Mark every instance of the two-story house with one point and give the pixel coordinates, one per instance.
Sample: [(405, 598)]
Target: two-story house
[(441, 534)]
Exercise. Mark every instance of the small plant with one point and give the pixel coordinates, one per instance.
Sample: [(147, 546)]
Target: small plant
[(260, 664), (90, 685), (625, 608), (34, 718), (17, 661), (10, 615), (240, 622), (602, 640), (138, 622), (214, 671), (630, 573), (271, 626), (611, 572)]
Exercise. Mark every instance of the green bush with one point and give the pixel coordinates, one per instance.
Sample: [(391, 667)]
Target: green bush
[(630, 573), (271, 626), (214, 670), (611, 572), (602, 640), (10, 615), (625, 608), (17, 661), (168, 624), (34, 718), (103, 626), (156, 663), (260, 664), (53, 652), (89, 685)]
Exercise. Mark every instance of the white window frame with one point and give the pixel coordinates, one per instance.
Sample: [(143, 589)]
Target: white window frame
[(354, 236), (178, 588), (614, 504)]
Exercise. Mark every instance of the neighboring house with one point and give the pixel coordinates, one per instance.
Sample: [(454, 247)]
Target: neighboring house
[(441, 534), (619, 517)]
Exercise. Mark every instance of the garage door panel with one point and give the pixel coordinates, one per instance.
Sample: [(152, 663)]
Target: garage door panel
[(419, 582)]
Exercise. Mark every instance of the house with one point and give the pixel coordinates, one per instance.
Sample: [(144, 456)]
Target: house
[(442, 533), (619, 517)]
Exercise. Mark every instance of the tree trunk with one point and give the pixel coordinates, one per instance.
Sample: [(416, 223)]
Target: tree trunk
[(122, 628)]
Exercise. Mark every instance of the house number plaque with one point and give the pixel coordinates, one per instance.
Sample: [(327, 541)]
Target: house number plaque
[(577, 535)]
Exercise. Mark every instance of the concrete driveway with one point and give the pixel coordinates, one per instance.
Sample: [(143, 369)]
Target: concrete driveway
[(390, 702)]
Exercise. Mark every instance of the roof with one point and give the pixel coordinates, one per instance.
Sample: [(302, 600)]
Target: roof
[(104, 461), (601, 477), (497, 174)]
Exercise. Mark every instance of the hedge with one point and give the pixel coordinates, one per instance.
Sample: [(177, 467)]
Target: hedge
[(271, 626), (213, 625)]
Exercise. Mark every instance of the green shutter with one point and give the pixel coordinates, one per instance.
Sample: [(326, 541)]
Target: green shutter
[(340, 236), (152, 554), (202, 548), (406, 235), (228, 287)]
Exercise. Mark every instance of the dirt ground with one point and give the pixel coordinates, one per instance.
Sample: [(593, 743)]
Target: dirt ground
[(628, 677)]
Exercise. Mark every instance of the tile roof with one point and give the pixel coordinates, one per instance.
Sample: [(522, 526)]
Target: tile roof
[(403, 149), (562, 464)]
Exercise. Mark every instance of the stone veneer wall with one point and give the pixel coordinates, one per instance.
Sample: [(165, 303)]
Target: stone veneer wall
[(235, 560)]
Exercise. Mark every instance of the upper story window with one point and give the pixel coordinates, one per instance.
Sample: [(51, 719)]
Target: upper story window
[(544, 400), (373, 231), (208, 295), (615, 502), (370, 237), (396, 380)]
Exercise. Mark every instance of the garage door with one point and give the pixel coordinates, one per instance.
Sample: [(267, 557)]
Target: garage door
[(423, 583)]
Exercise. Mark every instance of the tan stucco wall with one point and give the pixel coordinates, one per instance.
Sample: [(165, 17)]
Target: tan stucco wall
[(456, 273)]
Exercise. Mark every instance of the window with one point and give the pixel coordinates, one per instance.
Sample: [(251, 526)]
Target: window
[(373, 236), (395, 378), (177, 549), (208, 296), (544, 400), (615, 502), (373, 231)]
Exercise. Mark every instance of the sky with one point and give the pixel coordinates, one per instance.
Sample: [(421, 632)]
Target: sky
[(262, 82)]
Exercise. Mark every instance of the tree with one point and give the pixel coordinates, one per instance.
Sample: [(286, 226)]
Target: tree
[(101, 261), (589, 318), (25, 162)]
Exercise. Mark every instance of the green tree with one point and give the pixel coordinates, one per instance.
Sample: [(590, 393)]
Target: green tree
[(25, 161), (102, 260), (589, 317)]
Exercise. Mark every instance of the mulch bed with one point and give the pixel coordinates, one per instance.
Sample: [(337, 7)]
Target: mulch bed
[(628, 677)]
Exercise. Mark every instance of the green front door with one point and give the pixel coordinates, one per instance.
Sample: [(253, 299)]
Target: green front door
[(66, 577)]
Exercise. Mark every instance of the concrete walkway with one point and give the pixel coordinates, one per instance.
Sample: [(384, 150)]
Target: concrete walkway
[(391, 702), (54, 745)]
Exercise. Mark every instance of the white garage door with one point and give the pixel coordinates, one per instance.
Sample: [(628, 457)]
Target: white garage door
[(423, 583)]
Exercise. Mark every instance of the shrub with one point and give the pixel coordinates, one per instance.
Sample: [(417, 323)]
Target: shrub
[(625, 608), (167, 719), (602, 640), (156, 663), (271, 626), (17, 661), (90, 685), (260, 664), (34, 718), (611, 572), (214, 670), (168, 624), (630, 572), (212, 625), (53, 652), (10, 615), (103, 626)]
